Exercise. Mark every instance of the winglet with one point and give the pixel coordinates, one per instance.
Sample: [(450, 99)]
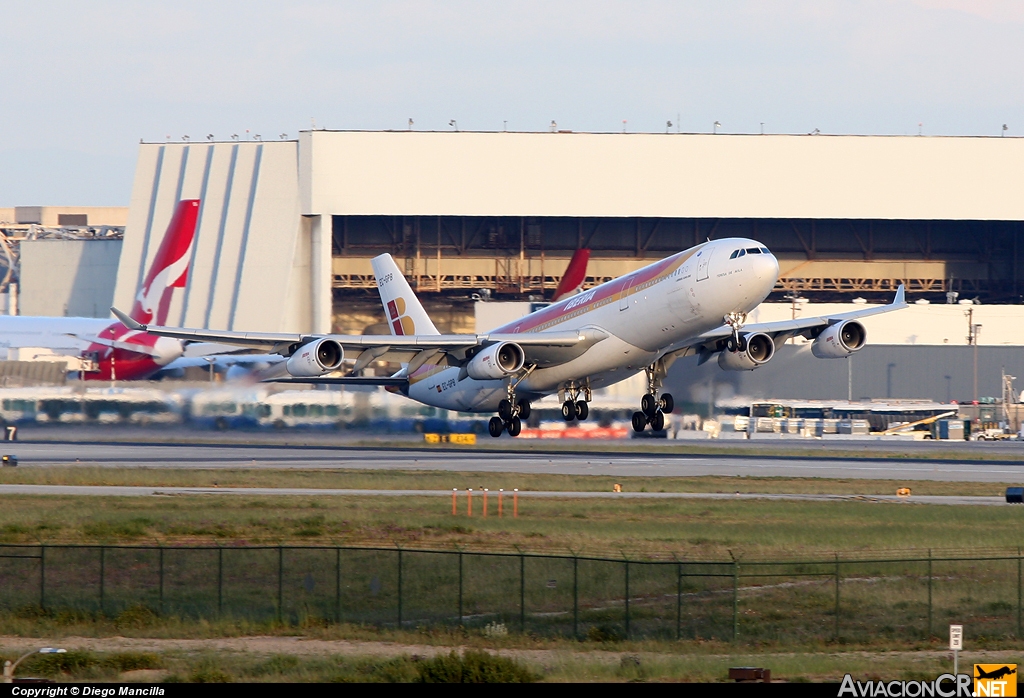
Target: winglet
[(901, 296), (127, 321)]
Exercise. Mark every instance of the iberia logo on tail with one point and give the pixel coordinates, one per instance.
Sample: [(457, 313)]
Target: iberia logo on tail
[(402, 323)]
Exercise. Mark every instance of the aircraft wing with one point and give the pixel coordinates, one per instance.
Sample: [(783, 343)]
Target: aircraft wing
[(543, 348), (782, 330)]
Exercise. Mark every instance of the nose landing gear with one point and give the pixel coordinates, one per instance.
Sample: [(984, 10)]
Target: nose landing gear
[(652, 407)]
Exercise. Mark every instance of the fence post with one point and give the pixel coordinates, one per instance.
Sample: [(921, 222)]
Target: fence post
[(399, 587), (461, 615), (337, 585), (1018, 591), (161, 580), (220, 581), (522, 592), (627, 598), (575, 596), (735, 599), (103, 574), (42, 577), (837, 595), (679, 600), (280, 583), (929, 593)]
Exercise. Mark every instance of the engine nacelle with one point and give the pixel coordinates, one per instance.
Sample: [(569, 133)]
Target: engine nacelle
[(316, 358), (840, 340), (760, 350), (496, 361)]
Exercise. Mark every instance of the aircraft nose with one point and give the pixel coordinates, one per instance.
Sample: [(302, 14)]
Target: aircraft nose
[(768, 270)]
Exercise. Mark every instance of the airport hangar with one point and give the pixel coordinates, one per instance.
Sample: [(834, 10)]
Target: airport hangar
[(287, 228)]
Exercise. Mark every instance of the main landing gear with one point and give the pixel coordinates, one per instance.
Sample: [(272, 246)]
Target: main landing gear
[(511, 413), (510, 417), (652, 407), (575, 406)]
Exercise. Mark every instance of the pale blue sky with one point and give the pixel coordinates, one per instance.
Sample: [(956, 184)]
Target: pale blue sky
[(81, 83)]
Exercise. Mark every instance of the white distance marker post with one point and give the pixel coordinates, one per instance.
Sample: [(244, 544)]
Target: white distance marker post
[(956, 643)]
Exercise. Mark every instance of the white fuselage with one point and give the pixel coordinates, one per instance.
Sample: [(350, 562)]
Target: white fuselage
[(645, 315)]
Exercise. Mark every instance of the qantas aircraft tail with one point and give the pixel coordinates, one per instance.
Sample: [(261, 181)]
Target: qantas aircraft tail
[(575, 275), (170, 266), (404, 313)]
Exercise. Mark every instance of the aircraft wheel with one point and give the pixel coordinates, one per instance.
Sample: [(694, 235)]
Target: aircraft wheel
[(649, 405), (639, 421), (582, 410), (658, 421), (495, 426), (515, 426), (568, 410), (667, 403), (524, 409), (505, 410)]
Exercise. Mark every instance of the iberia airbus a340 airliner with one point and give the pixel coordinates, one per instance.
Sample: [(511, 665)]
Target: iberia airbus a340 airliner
[(692, 303)]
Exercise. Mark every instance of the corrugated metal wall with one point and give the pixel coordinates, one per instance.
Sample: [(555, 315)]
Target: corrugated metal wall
[(251, 257)]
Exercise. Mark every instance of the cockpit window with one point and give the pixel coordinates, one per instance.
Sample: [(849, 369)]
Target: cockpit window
[(753, 250), (765, 250), (735, 254), (742, 252)]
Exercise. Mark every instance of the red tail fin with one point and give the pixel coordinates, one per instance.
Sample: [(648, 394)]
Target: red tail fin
[(170, 266), (575, 275)]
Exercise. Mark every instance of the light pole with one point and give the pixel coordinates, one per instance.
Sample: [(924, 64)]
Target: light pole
[(9, 668)]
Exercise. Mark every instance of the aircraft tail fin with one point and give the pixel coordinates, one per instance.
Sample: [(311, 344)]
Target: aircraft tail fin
[(170, 266), (575, 275), (403, 310)]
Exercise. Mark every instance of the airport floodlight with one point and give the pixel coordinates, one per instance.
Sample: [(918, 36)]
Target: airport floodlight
[(717, 125), (554, 126), (209, 136), (234, 136), (185, 138), (1005, 127), (762, 128), (668, 126), (257, 137), (816, 132), (453, 124), (283, 136), (410, 124)]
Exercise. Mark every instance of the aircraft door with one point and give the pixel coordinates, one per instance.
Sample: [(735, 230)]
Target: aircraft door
[(703, 258), (624, 298)]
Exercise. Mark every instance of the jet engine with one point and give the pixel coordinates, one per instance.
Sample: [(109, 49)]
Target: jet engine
[(839, 340), (496, 361), (315, 358), (760, 350)]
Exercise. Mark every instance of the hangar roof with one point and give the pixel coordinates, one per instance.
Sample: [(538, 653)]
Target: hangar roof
[(661, 175)]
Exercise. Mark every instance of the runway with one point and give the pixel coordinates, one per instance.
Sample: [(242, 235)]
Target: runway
[(653, 464), (132, 491)]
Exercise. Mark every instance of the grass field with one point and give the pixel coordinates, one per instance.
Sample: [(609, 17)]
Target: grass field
[(783, 624), (550, 664), (442, 480), (689, 528)]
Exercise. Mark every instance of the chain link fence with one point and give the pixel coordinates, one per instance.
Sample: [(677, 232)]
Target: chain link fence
[(910, 598)]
